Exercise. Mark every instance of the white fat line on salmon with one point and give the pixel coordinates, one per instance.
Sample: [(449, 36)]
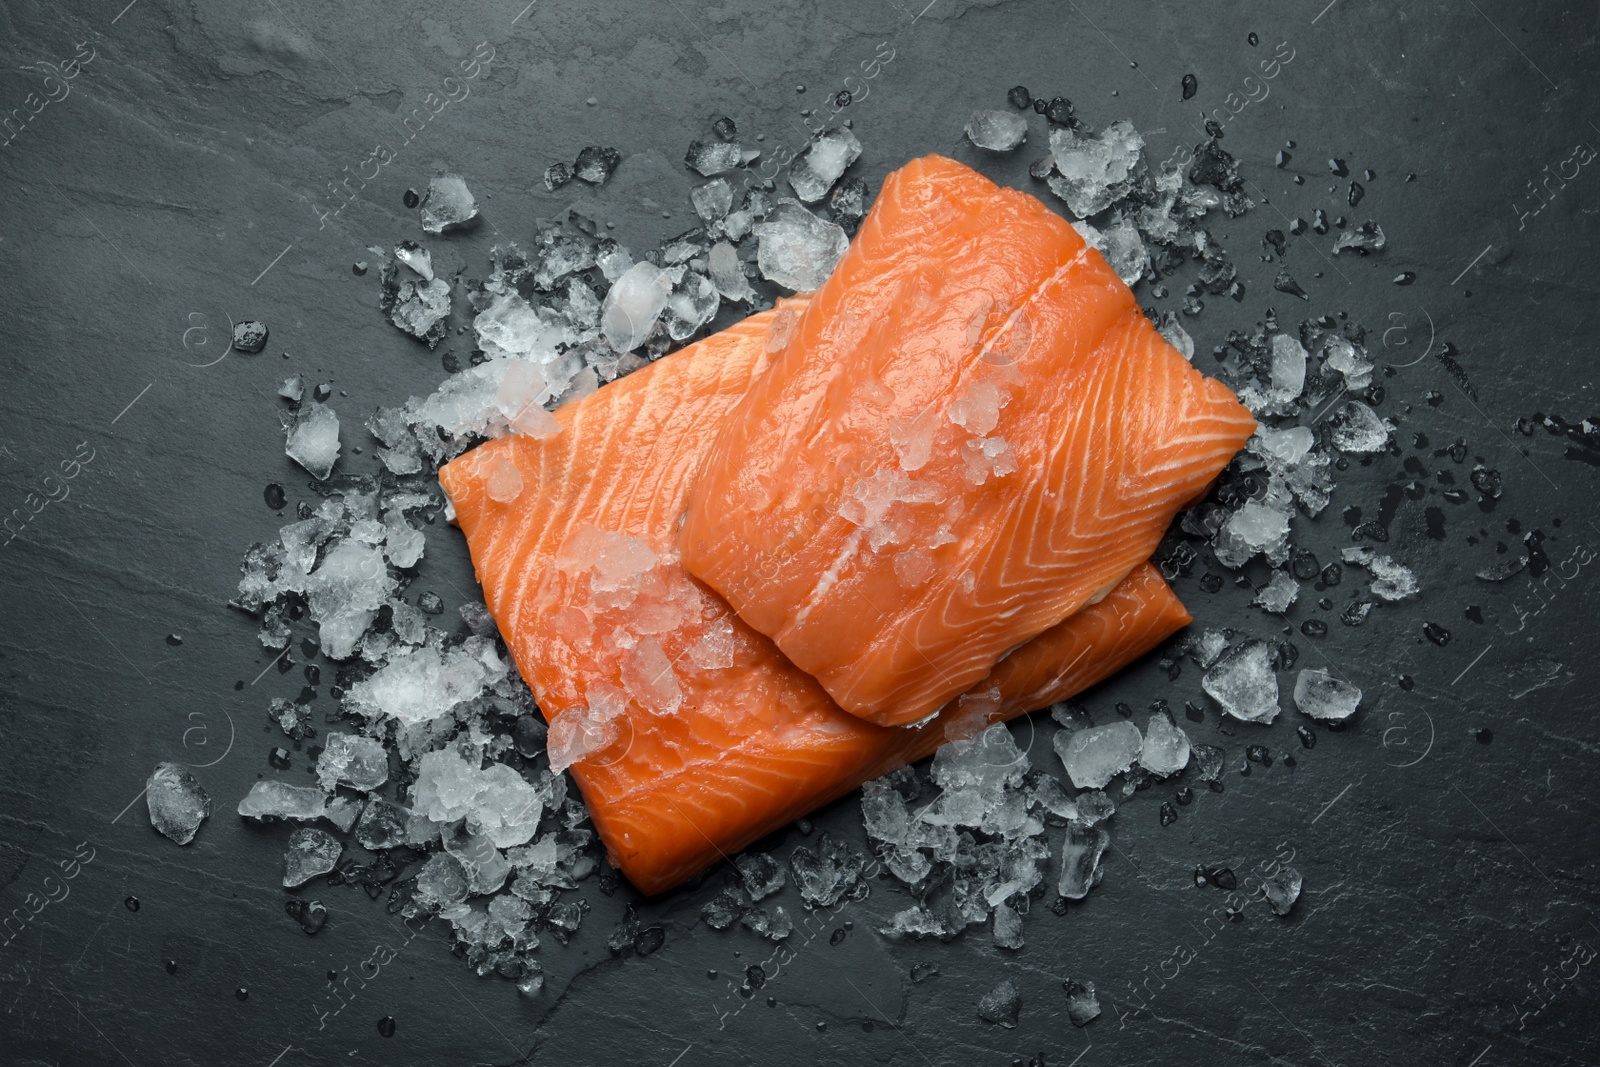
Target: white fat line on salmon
[(852, 548)]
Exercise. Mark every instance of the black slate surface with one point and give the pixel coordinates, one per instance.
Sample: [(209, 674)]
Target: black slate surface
[(1446, 836)]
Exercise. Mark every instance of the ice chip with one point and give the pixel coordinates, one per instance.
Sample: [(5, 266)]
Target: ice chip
[(1253, 529), (713, 200), (977, 409), (1007, 927), (401, 543), (1083, 1007), (651, 679), (614, 560), (504, 483), (1098, 754), (822, 163), (883, 813), (1166, 746), (1312, 482), (556, 175), (1280, 592), (825, 875), (722, 910), (344, 594), (715, 649), (449, 203), (1176, 335), (1081, 850), (1391, 580), (445, 787), (510, 327), (1094, 807), (1288, 365), (1093, 173), (692, 304), (1205, 648), (727, 273), (849, 201), (761, 874), (632, 306), (506, 808), (1287, 379), (578, 733), (249, 336), (311, 439), (418, 307), (441, 883), (774, 926), (711, 158), (311, 852), (1282, 890), (997, 131), (796, 249), (342, 812), (1243, 683), (416, 257), (270, 799), (1124, 250), (1001, 1005), (1320, 695), (1283, 449), (1121, 247), (348, 759), (596, 164), (1208, 759), (1357, 428), (177, 803), (916, 922), (1345, 358), (1363, 239), (382, 825)]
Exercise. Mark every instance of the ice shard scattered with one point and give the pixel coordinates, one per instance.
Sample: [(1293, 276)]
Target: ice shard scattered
[(177, 803)]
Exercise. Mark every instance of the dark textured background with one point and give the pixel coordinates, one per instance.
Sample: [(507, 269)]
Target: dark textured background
[(1444, 875)]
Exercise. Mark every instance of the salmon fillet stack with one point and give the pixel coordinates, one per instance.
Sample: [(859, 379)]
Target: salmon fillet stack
[(973, 434), (688, 732)]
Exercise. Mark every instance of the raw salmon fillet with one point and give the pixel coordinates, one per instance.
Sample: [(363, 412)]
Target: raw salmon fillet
[(701, 737), (973, 433)]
